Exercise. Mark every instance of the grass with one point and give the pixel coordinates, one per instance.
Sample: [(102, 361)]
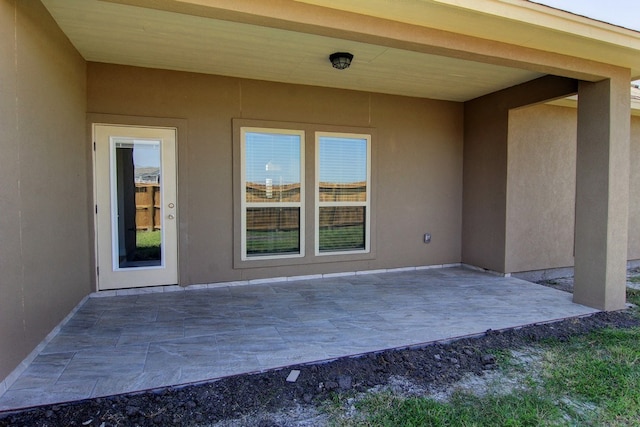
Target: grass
[(148, 245), (633, 296), (603, 369), (148, 239), (589, 380), (464, 409)]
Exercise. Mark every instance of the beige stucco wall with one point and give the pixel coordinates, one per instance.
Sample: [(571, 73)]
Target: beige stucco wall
[(634, 191), (417, 170), (485, 160), (486, 134), (44, 229), (541, 188)]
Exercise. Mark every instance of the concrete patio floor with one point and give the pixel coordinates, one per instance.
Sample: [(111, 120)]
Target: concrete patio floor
[(121, 344)]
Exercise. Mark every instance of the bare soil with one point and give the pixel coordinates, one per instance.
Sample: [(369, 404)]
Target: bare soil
[(267, 399)]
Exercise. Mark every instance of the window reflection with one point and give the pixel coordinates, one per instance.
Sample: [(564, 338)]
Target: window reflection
[(273, 231), (272, 168), (138, 201), (342, 191), (273, 193), (342, 228), (343, 169)]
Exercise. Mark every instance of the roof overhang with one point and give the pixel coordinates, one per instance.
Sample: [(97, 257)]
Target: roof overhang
[(442, 49)]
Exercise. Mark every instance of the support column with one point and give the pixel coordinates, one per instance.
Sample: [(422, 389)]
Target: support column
[(602, 193)]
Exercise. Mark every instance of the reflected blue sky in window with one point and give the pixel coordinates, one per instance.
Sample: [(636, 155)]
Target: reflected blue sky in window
[(343, 160), (146, 155), (274, 156)]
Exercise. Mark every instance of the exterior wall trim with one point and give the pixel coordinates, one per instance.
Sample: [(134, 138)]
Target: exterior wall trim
[(174, 288)]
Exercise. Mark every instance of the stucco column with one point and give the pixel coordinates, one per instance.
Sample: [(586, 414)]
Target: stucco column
[(602, 193)]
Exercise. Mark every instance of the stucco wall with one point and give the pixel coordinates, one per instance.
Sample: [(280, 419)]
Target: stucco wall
[(485, 162), (486, 135), (44, 230), (541, 188), (634, 191), (417, 175)]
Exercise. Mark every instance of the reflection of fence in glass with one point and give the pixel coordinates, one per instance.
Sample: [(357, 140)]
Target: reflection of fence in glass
[(343, 192), (148, 207), (148, 222), (342, 228), (270, 192), (273, 231)]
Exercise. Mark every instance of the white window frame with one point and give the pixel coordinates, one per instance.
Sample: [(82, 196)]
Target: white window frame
[(246, 205), (319, 204)]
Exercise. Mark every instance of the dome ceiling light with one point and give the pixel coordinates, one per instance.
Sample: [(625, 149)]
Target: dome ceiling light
[(341, 60)]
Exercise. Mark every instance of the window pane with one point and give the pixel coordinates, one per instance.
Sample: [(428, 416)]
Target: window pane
[(343, 169), (137, 170), (273, 231), (272, 167), (342, 228)]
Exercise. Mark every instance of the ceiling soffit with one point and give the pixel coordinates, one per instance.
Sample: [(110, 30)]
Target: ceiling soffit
[(275, 45), (517, 22)]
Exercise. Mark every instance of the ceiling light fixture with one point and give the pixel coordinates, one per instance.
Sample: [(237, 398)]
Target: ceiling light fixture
[(341, 60)]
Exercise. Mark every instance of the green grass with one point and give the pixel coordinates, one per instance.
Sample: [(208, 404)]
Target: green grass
[(602, 368), (148, 239), (523, 409), (148, 245), (633, 296), (589, 380)]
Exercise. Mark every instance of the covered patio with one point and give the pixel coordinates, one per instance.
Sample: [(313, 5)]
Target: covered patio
[(124, 343), (473, 148)]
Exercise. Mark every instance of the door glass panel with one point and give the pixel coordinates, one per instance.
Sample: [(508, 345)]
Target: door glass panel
[(138, 241)]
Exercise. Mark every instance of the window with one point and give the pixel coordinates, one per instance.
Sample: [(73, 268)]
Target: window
[(343, 175), (272, 193)]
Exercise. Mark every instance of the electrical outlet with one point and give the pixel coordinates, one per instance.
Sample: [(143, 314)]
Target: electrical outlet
[(427, 237)]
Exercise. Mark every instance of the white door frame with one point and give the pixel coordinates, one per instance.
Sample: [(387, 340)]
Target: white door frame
[(109, 274)]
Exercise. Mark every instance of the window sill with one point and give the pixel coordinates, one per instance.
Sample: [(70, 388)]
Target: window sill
[(308, 260)]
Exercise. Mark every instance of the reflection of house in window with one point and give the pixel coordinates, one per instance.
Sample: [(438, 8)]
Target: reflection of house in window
[(147, 175)]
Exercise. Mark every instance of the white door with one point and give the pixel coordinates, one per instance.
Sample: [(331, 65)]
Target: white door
[(136, 212)]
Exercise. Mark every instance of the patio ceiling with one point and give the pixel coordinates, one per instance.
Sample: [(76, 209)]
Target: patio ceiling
[(250, 40)]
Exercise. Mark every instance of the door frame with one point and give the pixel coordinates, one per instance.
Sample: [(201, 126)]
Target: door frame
[(178, 126)]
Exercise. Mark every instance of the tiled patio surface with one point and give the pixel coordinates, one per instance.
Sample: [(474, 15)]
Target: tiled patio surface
[(127, 343)]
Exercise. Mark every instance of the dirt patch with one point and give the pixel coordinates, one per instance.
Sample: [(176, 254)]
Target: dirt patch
[(566, 283), (267, 399)]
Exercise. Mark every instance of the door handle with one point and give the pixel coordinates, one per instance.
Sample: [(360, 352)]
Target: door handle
[(171, 216)]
